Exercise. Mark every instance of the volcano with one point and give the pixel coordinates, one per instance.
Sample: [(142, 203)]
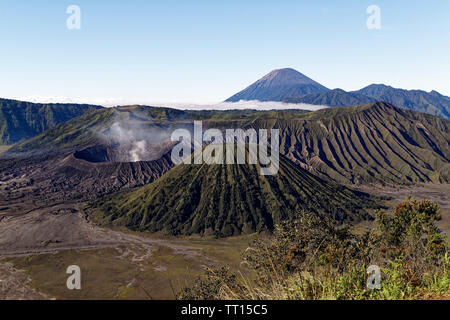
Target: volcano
[(226, 200), (278, 85)]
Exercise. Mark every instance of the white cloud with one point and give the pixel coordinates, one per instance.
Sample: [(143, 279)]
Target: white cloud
[(253, 104), (112, 102)]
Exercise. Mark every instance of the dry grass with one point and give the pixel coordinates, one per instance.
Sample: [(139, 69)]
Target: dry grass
[(128, 272)]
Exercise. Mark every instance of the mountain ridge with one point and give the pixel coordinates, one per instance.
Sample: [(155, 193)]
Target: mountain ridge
[(374, 143), (418, 100), (20, 120), (333, 98), (280, 87)]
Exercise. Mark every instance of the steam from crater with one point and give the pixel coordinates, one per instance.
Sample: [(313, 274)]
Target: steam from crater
[(138, 150), (132, 141)]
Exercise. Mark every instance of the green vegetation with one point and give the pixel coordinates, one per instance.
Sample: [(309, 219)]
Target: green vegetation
[(76, 132), (226, 200), (170, 114), (376, 143), (312, 258), (22, 120), (88, 128)]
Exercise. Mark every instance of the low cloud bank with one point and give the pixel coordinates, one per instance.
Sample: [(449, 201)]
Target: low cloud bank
[(243, 104)]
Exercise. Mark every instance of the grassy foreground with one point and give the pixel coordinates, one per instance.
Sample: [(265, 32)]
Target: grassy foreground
[(311, 258)]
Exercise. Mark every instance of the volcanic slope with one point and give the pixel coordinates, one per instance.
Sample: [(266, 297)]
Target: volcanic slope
[(376, 143), (227, 199)]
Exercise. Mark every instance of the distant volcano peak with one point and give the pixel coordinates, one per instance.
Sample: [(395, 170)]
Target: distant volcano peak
[(278, 85), (286, 76)]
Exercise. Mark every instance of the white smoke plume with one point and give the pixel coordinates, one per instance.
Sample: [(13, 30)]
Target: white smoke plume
[(138, 150), (133, 141)]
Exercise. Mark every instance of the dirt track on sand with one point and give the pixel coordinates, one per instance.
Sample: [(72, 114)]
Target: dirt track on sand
[(64, 227)]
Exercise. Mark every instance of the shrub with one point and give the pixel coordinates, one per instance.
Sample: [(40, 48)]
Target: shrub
[(312, 258)]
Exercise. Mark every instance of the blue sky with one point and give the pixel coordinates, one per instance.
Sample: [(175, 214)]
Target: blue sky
[(205, 51)]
